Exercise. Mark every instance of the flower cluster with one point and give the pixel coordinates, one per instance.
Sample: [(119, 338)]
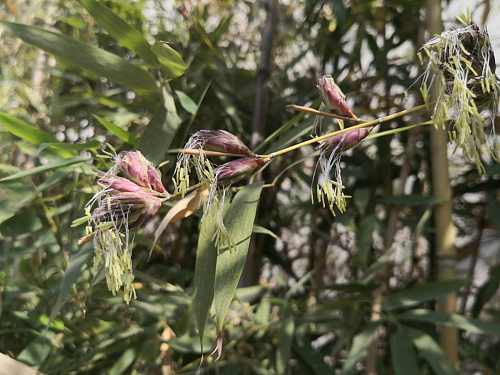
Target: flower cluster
[(329, 186), (195, 156), (123, 202), (462, 62)]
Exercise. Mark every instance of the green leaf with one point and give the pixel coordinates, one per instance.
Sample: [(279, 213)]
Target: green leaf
[(122, 134), (37, 351), (13, 197), (285, 340), (421, 293), (171, 61), (311, 359), (359, 347), (239, 221), (257, 229), (364, 239), (186, 102), (404, 358), (204, 271), (46, 167), (71, 275), (454, 320), (24, 130), (230, 262), (486, 291), (431, 352), (120, 30), (160, 132), (124, 362), (90, 58), (410, 200)]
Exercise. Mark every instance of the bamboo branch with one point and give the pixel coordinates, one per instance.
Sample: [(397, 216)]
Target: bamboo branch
[(444, 228), (323, 137)]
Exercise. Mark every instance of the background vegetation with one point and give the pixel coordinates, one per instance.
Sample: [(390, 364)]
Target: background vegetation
[(354, 293)]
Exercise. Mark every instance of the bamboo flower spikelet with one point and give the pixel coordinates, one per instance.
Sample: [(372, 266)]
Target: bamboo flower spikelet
[(218, 178), (333, 97), (124, 202), (462, 61)]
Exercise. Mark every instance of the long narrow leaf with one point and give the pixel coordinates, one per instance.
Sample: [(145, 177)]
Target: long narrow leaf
[(404, 358), (454, 320), (431, 352), (240, 218), (421, 293), (204, 272), (24, 130), (120, 30), (160, 132), (44, 168), (91, 58), (122, 134)]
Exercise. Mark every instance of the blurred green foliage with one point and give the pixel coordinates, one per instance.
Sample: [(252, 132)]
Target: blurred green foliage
[(147, 74)]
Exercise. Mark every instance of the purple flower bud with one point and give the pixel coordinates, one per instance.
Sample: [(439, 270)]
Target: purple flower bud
[(333, 96), (222, 141), (119, 184), (238, 167), (348, 139), (154, 178), (134, 166)]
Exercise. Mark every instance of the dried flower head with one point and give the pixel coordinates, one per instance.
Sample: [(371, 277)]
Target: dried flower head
[(463, 63), (329, 186), (333, 97), (209, 140), (122, 203)]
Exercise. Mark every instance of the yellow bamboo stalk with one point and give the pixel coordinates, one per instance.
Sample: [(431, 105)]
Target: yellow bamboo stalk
[(444, 228)]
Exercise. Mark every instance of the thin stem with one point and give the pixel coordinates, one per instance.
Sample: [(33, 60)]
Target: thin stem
[(313, 111), (338, 132), (197, 151), (398, 130)]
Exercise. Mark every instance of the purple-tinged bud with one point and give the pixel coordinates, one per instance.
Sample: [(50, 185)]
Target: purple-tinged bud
[(119, 184), (134, 166), (239, 167), (154, 178), (348, 139), (333, 96), (144, 201), (222, 141)]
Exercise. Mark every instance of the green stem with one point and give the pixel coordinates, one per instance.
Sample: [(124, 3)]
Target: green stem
[(321, 138)]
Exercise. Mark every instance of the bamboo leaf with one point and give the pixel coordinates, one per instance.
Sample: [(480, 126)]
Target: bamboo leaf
[(24, 130), (46, 167), (240, 218), (180, 210), (487, 291), (160, 132), (285, 340), (359, 347), (261, 230), (186, 102), (171, 61), (404, 358), (204, 271), (431, 352), (454, 320), (421, 293), (120, 133), (71, 275), (121, 31), (311, 359), (90, 58)]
